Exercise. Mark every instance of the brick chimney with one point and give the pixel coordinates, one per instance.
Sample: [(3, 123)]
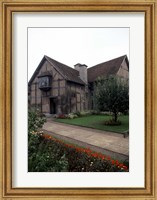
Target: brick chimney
[(82, 68)]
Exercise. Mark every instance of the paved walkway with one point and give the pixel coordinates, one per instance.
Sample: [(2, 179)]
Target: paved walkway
[(109, 143)]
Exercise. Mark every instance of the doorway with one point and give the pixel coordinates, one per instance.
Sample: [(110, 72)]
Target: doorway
[(53, 106)]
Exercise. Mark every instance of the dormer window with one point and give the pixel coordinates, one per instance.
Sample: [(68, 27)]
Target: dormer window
[(44, 81)]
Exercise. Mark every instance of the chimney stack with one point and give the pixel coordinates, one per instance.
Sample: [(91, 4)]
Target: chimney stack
[(82, 68)]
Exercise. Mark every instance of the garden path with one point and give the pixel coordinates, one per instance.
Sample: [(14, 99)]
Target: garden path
[(109, 143)]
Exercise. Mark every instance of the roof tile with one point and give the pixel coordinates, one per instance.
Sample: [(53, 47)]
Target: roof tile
[(69, 73), (107, 68)]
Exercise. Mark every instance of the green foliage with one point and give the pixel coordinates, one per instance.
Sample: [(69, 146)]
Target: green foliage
[(46, 157), (54, 155), (42, 155), (112, 94), (78, 113), (35, 120)]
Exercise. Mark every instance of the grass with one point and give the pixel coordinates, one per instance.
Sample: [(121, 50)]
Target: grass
[(97, 122)]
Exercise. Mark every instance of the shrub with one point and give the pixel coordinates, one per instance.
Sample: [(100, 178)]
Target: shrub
[(46, 157), (43, 155), (106, 113), (85, 113), (78, 113), (112, 123), (61, 116), (35, 120), (95, 112), (72, 116)]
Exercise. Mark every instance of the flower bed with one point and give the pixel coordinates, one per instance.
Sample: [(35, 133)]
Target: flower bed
[(73, 158), (49, 154)]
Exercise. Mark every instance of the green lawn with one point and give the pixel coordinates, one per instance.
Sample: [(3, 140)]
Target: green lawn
[(97, 122)]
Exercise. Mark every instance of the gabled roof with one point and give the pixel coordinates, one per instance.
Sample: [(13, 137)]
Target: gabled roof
[(110, 67), (67, 72)]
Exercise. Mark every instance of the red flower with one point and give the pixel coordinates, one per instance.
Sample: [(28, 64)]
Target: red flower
[(94, 155), (86, 151), (102, 156), (89, 150), (108, 158), (112, 162), (117, 163), (77, 149), (120, 165)]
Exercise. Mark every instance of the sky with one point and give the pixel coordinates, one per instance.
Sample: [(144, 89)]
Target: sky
[(70, 46)]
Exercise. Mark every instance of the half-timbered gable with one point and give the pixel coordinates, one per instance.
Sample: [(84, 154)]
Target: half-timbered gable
[(61, 95)]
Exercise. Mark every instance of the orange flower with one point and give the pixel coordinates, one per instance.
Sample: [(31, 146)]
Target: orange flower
[(112, 162), (117, 162)]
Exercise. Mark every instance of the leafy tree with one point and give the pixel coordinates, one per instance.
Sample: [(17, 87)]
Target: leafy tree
[(112, 94)]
